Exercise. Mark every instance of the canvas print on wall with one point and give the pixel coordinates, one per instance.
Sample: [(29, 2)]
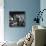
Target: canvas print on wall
[(17, 18)]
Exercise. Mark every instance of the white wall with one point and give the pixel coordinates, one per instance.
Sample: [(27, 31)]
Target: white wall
[(43, 6), (1, 21)]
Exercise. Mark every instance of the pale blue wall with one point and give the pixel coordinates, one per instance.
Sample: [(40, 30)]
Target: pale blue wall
[(30, 7)]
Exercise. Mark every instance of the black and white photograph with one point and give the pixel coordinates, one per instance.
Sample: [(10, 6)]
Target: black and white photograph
[(16, 18)]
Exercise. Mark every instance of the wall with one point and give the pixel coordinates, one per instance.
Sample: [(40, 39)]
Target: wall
[(43, 6), (1, 21), (30, 7)]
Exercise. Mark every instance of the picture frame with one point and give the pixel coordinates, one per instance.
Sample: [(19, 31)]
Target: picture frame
[(17, 18)]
